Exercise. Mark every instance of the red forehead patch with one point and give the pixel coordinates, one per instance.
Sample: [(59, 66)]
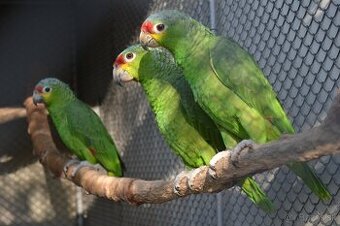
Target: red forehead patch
[(39, 88), (147, 27), (119, 60)]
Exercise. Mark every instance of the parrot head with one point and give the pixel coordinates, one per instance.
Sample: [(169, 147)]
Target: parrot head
[(126, 65), (50, 89), (166, 28)]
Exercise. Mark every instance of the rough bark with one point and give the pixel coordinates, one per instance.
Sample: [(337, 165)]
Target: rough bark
[(311, 144)]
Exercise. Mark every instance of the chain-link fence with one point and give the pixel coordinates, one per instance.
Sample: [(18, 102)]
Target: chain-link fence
[(296, 43)]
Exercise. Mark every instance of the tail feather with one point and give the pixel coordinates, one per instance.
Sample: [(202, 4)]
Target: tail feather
[(309, 177), (256, 194)]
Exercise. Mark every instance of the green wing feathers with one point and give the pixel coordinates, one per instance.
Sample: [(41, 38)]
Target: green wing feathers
[(83, 132), (94, 134), (198, 118), (237, 70)]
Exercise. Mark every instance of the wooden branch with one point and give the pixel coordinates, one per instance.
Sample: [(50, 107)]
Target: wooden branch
[(311, 144), (8, 114)]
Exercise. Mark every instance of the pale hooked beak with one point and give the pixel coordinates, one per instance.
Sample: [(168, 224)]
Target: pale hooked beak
[(120, 77), (146, 40), (37, 98)]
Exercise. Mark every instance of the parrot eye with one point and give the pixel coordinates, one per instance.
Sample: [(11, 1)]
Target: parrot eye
[(129, 57), (47, 89), (159, 28)]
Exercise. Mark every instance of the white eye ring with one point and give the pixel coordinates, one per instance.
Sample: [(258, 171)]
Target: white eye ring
[(129, 57), (159, 28), (47, 89)]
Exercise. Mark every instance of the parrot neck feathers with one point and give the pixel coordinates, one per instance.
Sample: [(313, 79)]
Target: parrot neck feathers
[(197, 37), (157, 75)]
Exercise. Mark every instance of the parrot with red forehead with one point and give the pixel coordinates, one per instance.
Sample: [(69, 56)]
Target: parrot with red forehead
[(78, 126), (226, 82), (186, 128)]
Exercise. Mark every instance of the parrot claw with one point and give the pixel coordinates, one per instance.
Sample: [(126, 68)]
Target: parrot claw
[(220, 156), (179, 184), (192, 179), (68, 164), (236, 151)]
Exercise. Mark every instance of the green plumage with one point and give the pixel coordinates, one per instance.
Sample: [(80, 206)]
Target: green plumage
[(79, 127), (188, 130), (227, 84)]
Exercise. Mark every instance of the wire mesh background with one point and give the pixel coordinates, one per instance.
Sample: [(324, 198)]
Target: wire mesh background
[(296, 43)]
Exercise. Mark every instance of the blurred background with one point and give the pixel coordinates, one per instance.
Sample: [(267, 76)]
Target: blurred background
[(296, 43)]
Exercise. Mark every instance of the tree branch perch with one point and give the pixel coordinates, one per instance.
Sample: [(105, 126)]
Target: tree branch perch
[(9, 114), (311, 144)]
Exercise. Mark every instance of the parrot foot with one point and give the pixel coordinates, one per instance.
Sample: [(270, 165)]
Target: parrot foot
[(222, 156), (195, 185), (236, 151), (181, 182), (68, 164)]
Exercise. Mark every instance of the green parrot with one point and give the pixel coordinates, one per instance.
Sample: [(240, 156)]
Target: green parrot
[(226, 82), (78, 126), (186, 128)]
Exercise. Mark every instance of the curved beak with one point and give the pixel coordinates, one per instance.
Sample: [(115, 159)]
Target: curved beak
[(146, 40), (120, 77), (37, 98)]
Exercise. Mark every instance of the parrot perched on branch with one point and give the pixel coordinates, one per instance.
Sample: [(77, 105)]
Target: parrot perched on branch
[(186, 128), (226, 82), (78, 126)]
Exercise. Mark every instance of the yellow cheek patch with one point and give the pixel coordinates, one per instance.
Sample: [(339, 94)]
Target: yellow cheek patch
[(127, 68), (157, 37), (46, 96), (130, 69), (124, 66)]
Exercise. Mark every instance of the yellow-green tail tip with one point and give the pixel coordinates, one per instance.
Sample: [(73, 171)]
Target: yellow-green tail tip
[(257, 195), (325, 195), (309, 177)]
